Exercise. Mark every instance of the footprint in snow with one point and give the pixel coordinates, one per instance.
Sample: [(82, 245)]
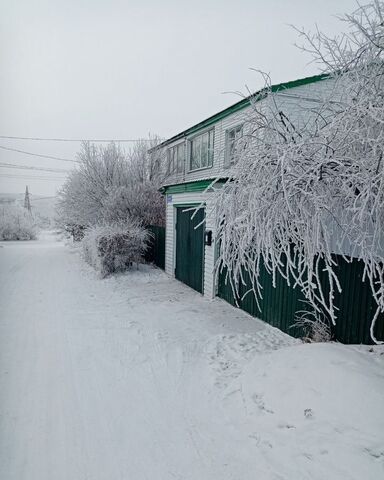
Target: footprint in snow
[(258, 400), (375, 453), (286, 426), (308, 413)]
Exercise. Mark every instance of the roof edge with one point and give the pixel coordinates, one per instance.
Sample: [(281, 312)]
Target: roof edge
[(240, 105), (192, 185)]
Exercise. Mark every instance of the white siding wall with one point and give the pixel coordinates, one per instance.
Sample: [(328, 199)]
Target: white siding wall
[(291, 102), (220, 137), (209, 251), (169, 237)]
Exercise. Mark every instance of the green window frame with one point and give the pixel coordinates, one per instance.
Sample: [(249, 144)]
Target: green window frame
[(201, 150)]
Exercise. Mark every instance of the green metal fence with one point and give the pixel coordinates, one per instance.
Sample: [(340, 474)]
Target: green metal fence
[(279, 305), (156, 250)]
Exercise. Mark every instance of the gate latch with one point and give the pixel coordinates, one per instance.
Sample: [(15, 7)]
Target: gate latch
[(208, 237)]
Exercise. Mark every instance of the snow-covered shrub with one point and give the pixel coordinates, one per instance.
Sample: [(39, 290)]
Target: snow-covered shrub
[(16, 224), (77, 232), (115, 247), (314, 325)]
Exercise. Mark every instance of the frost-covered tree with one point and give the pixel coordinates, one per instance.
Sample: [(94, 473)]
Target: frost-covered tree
[(112, 185), (141, 201), (307, 187), (99, 170), (139, 198)]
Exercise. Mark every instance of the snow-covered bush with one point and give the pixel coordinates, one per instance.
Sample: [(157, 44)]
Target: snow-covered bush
[(77, 232), (115, 247), (314, 326), (16, 224)]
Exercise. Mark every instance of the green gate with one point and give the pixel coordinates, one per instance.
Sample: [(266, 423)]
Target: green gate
[(190, 247)]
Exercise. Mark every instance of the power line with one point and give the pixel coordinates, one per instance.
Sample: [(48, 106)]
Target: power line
[(38, 154), (78, 139), (25, 175), (23, 179), (31, 177), (40, 198), (29, 167)]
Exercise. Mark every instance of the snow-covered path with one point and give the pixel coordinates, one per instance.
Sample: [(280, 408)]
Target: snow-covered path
[(135, 377), (103, 382)]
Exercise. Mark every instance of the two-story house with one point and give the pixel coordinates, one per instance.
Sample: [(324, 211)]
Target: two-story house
[(204, 153), (196, 157)]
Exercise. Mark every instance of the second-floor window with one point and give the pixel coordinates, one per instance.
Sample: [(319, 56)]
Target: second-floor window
[(176, 158), (201, 151), (233, 136)]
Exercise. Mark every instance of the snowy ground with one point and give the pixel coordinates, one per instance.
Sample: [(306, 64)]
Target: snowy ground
[(138, 377)]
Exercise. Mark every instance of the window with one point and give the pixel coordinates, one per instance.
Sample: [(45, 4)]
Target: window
[(176, 157), (201, 151), (233, 136)]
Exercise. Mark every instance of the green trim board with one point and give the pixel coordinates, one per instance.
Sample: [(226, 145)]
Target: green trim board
[(188, 204), (194, 186), (245, 102)]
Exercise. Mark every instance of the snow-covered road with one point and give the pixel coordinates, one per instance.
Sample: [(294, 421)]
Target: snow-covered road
[(137, 377)]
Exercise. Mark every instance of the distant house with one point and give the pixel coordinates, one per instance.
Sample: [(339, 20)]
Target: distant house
[(205, 152)]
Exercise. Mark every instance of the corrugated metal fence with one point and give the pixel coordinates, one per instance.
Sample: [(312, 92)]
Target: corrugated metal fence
[(156, 250), (279, 305)]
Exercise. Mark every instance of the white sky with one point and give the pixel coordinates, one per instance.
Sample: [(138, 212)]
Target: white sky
[(122, 69)]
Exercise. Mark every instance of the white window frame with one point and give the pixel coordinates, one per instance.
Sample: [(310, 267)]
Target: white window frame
[(189, 149), (229, 158), (178, 167)]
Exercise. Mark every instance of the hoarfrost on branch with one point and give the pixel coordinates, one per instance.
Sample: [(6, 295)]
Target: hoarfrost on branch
[(306, 187)]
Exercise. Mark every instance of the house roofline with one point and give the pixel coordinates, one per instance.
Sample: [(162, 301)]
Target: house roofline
[(192, 185), (245, 102)]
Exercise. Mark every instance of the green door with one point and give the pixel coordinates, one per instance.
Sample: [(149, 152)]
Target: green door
[(190, 248)]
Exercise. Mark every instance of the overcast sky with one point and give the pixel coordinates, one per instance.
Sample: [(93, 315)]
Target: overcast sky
[(122, 69)]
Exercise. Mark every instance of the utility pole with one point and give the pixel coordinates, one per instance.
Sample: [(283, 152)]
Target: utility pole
[(27, 202)]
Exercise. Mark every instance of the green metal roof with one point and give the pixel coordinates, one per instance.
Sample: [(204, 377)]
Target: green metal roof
[(191, 186), (245, 102)]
